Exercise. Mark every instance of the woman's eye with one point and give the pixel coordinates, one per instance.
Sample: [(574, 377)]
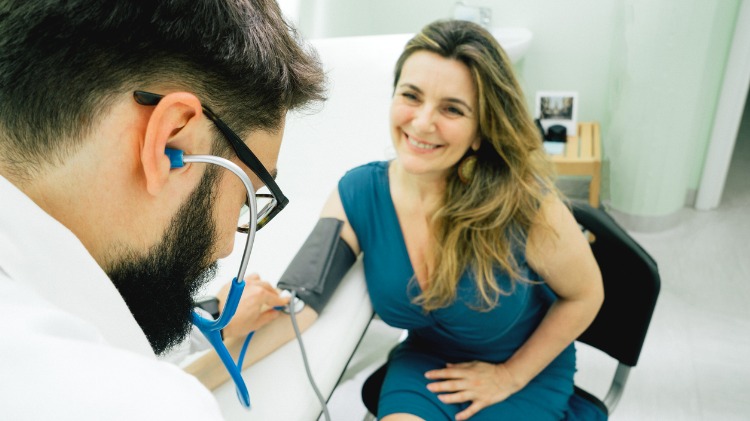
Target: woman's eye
[(408, 95), (454, 111)]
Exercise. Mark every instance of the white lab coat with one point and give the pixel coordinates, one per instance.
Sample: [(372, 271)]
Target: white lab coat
[(69, 347)]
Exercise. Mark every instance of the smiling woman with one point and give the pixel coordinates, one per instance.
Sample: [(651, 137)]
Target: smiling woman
[(467, 243), (432, 114)]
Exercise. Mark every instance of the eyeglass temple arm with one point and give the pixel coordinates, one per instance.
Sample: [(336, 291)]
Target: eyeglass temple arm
[(246, 155)]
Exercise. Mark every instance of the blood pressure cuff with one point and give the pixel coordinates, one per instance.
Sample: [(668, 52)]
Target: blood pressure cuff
[(320, 264)]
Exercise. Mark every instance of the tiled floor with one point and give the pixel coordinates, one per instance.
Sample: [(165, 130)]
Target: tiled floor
[(694, 365)]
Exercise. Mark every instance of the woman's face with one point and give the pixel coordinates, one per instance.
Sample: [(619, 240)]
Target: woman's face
[(433, 114)]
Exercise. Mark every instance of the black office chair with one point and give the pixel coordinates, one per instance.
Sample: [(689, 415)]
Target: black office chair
[(631, 287)]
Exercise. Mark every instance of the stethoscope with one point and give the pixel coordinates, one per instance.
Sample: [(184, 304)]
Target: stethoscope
[(210, 328)]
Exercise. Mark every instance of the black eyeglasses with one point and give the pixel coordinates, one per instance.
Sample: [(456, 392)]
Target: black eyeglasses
[(269, 205)]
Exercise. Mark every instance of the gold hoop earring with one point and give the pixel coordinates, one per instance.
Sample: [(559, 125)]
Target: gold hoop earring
[(466, 169)]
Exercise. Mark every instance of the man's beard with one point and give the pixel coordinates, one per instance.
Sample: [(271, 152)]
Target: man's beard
[(159, 288)]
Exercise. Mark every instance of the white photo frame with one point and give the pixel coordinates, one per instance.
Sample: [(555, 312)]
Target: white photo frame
[(558, 107)]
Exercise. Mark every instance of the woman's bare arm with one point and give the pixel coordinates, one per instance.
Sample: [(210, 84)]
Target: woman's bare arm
[(559, 252)]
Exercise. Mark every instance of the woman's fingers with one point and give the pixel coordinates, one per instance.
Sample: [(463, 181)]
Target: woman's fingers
[(470, 411)]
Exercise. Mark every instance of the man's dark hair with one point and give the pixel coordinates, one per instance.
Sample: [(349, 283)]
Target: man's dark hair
[(63, 62)]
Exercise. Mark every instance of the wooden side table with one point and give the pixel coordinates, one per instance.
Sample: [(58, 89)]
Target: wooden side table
[(583, 156)]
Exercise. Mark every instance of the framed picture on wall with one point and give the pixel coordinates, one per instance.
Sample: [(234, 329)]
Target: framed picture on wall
[(558, 107)]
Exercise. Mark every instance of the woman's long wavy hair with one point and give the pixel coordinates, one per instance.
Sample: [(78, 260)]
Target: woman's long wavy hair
[(480, 225)]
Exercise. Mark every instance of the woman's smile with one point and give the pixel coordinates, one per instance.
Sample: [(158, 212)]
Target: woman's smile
[(420, 145)]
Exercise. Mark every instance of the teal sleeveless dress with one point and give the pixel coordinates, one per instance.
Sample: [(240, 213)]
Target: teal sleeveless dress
[(457, 333)]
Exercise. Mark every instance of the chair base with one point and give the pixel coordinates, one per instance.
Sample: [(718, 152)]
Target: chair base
[(583, 406)]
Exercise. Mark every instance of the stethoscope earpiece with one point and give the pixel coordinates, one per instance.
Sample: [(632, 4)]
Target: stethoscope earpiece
[(175, 157)]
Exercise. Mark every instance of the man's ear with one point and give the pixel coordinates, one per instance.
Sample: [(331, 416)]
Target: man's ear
[(175, 121)]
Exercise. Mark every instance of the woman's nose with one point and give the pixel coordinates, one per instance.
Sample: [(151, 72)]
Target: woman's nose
[(424, 119)]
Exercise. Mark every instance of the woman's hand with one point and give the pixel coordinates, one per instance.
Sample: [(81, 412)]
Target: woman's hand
[(482, 384), (255, 308)]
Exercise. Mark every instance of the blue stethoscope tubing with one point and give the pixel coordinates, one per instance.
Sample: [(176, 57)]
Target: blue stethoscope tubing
[(211, 329)]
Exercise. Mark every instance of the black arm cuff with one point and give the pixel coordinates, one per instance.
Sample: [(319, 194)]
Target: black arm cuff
[(320, 264)]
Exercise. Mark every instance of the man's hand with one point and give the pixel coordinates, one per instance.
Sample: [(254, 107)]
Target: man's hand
[(480, 383), (255, 308)]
